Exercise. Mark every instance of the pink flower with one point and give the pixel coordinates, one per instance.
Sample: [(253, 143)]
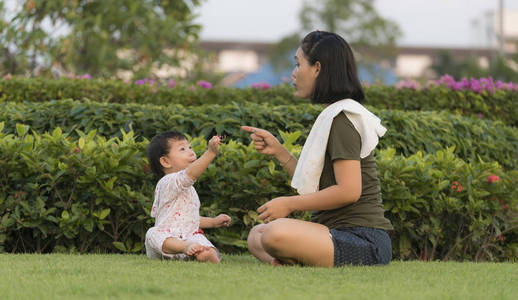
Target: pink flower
[(464, 83), (475, 85), (171, 83), (492, 178), (205, 84), (456, 187), (7, 77), (408, 84), (261, 85), (85, 76), (144, 81)]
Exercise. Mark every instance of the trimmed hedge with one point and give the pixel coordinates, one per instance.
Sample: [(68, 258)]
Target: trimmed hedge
[(408, 132), (499, 105), (93, 195), (116, 91)]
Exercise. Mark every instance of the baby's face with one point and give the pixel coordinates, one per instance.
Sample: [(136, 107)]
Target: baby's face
[(180, 155)]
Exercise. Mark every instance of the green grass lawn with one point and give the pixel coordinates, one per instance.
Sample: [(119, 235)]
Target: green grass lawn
[(29, 276)]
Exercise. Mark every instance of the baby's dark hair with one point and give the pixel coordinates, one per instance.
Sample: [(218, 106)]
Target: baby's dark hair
[(159, 146)]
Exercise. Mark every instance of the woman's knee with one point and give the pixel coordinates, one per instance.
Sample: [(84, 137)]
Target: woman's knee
[(274, 235)]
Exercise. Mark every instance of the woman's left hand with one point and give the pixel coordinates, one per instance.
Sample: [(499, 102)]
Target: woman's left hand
[(222, 220), (274, 209)]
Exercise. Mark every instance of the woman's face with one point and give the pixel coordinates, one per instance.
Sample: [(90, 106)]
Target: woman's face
[(304, 75)]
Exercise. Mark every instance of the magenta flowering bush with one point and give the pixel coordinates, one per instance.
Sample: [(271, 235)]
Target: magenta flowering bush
[(260, 85), (472, 84), (84, 76), (408, 84), (205, 84), (171, 83), (145, 81)]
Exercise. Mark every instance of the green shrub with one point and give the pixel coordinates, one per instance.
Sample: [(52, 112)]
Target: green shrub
[(116, 91), (444, 208), (408, 132), (93, 194), (500, 105)]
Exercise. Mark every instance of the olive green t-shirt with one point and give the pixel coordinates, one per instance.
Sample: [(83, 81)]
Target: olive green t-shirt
[(344, 143)]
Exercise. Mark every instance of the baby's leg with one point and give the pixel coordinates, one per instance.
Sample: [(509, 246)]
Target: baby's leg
[(175, 246)]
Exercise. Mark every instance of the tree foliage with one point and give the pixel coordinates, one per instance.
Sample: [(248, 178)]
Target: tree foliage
[(357, 21), (94, 36)]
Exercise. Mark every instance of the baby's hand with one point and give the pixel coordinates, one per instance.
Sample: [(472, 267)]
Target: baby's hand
[(214, 144), (222, 220)]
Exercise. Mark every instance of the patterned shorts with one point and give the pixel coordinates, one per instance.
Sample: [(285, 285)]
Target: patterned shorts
[(361, 246), (155, 239)]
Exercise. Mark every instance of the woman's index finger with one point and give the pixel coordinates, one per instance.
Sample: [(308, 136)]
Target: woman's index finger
[(249, 128)]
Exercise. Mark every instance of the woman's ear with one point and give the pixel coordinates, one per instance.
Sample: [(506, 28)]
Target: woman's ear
[(164, 161), (317, 68)]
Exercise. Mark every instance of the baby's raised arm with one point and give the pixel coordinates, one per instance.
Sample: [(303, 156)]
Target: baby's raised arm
[(200, 165)]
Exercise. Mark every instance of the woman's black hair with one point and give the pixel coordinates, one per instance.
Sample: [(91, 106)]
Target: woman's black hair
[(158, 147), (338, 77)]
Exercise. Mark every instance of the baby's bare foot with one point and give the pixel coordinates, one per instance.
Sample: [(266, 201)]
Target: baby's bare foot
[(194, 248), (209, 254)]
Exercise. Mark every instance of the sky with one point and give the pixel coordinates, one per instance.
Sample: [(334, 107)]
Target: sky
[(442, 23)]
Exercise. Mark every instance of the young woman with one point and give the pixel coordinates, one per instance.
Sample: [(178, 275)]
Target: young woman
[(336, 175)]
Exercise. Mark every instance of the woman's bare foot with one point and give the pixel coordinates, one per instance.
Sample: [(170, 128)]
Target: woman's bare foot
[(208, 254), (277, 262)]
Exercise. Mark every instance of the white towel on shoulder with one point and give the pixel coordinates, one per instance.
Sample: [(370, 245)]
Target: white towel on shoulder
[(311, 161)]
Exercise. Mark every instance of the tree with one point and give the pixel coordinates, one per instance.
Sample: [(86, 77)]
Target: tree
[(355, 20), (96, 37)]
